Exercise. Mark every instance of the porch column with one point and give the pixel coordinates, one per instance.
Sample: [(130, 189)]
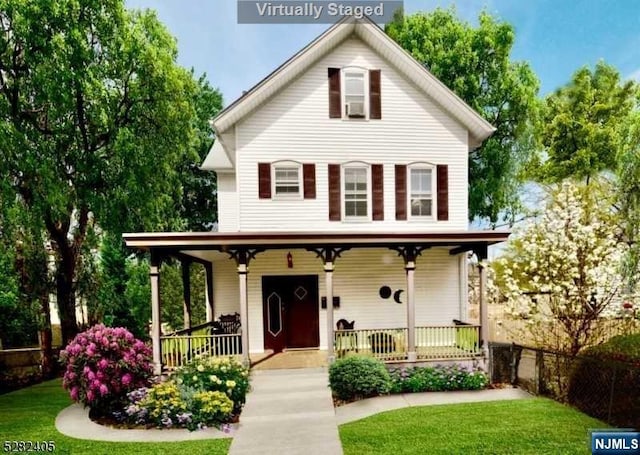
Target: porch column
[(328, 277), (410, 267), (481, 253), (186, 293), (243, 270), (409, 253), (156, 328), (329, 254), (208, 277)]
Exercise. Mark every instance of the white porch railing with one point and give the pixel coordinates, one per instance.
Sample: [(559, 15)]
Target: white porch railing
[(432, 343), (177, 350)]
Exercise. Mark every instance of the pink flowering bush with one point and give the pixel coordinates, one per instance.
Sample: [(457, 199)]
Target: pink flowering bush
[(103, 364)]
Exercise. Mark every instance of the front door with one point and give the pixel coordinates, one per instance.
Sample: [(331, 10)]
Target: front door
[(290, 312)]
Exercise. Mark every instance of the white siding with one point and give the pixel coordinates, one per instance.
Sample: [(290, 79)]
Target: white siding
[(228, 211), (295, 125), (358, 276)]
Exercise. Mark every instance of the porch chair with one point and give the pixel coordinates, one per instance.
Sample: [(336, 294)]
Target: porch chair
[(230, 323), (345, 341), (227, 324)]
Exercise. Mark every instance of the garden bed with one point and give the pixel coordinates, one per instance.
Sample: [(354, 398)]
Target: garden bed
[(357, 377)]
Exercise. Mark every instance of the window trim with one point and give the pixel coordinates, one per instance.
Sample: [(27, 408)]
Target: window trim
[(343, 191), (343, 91), (286, 164), (434, 195)]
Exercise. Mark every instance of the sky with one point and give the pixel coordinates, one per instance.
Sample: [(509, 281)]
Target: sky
[(555, 36)]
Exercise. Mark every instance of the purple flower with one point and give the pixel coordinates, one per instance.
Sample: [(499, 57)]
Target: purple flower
[(126, 379)]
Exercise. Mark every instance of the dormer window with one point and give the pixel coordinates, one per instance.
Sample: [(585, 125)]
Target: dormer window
[(354, 93)]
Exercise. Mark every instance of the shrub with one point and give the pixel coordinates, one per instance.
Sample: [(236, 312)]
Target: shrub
[(599, 370), (437, 379), (217, 375), (103, 364), (169, 404), (358, 377)]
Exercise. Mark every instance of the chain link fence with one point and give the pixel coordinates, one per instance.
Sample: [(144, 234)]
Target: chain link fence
[(606, 389)]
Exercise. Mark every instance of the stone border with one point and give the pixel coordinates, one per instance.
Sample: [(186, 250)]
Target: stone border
[(74, 422)]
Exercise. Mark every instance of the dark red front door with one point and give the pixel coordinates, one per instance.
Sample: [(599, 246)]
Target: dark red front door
[(290, 312)]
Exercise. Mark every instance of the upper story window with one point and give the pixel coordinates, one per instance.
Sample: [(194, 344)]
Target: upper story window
[(356, 192), (287, 179), (354, 92), (421, 191)]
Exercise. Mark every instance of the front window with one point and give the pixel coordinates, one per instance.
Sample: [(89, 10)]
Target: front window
[(356, 194), (286, 179), (421, 191)]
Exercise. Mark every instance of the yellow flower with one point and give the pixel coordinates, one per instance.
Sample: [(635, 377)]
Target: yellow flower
[(200, 367)]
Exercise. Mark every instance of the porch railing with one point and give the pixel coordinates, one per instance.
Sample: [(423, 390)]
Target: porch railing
[(432, 343), (177, 350)]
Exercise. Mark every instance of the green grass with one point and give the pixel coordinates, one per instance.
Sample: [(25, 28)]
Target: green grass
[(29, 415), (531, 426)]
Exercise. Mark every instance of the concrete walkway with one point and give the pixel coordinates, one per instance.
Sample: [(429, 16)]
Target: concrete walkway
[(365, 408), (74, 422), (288, 412)]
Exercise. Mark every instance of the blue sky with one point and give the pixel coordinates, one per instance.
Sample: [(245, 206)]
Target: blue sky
[(556, 37)]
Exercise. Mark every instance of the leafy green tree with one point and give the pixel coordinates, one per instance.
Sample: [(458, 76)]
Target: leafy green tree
[(475, 62), (96, 118), (586, 125), (628, 198)]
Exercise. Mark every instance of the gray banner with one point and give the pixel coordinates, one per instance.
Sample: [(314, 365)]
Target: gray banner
[(317, 12)]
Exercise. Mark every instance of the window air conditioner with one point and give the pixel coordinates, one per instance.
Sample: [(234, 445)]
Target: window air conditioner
[(355, 109)]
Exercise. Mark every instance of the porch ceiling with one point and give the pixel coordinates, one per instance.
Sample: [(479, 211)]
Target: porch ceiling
[(226, 241)]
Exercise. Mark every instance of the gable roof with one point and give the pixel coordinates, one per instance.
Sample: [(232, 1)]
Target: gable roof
[(365, 29)]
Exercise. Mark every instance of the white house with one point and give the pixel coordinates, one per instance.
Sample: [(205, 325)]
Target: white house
[(342, 177)]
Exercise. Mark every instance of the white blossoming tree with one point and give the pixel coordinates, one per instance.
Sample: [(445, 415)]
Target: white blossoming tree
[(561, 273)]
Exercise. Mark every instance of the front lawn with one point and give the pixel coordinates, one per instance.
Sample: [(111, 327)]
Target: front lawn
[(531, 426), (29, 415)]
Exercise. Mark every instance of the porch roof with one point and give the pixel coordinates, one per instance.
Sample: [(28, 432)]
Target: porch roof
[(224, 241)]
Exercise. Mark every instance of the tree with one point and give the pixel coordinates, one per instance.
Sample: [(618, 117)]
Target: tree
[(562, 272), (476, 64), (628, 196), (586, 125), (95, 119)]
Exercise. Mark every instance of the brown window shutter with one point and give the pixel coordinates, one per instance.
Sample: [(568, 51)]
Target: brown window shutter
[(401, 192), (335, 99), (264, 180), (334, 192), (309, 178), (443, 192), (377, 192), (375, 108)]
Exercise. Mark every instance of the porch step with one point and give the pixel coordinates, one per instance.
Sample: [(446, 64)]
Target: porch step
[(310, 358)]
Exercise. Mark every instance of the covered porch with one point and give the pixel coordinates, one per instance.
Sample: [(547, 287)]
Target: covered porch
[(405, 342)]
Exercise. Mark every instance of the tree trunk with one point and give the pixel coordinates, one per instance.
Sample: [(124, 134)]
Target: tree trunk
[(47, 364), (65, 292)]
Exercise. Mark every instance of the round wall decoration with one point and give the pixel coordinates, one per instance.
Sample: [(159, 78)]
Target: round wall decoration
[(385, 292)]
